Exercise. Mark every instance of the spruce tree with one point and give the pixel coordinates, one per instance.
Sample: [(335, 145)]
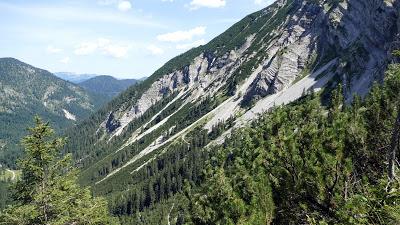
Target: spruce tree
[(47, 192)]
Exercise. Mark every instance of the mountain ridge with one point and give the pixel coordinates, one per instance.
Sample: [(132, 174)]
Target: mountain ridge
[(270, 58)]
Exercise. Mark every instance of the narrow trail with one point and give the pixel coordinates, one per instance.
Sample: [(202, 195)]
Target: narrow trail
[(169, 214)]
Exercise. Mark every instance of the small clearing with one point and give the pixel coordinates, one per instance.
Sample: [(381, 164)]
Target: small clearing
[(13, 176)]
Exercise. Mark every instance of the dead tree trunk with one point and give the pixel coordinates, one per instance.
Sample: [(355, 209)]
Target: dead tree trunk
[(393, 148)]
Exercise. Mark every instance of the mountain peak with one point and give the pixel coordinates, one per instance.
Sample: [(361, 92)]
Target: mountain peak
[(13, 61), (10, 59)]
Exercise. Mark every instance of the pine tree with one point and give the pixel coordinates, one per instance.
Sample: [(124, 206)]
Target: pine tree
[(47, 192)]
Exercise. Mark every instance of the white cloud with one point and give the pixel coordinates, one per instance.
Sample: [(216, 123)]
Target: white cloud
[(124, 6), (179, 36), (65, 60), (263, 2), (53, 50), (116, 51), (104, 46), (195, 4), (76, 14), (80, 15), (191, 45), (154, 50), (107, 2)]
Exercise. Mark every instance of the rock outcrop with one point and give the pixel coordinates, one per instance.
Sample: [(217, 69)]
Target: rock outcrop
[(357, 32)]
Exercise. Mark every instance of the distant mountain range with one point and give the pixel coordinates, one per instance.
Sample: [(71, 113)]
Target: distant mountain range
[(107, 85), (62, 99), (74, 77), (26, 91)]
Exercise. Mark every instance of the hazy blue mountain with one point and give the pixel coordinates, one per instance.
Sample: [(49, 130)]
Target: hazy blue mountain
[(107, 85), (74, 77)]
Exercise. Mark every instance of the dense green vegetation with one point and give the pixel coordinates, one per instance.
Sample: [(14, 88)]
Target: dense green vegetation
[(4, 193), (161, 182), (47, 192), (7, 177), (305, 163)]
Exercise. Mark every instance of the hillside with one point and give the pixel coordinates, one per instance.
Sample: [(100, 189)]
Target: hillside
[(26, 91), (107, 85), (150, 145)]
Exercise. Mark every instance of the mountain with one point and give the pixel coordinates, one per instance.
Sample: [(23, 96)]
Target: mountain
[(74, 77), (106, 85), (148, 147), (26, 91)]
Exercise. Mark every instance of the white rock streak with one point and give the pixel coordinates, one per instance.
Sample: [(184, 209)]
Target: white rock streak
[(69, 115)]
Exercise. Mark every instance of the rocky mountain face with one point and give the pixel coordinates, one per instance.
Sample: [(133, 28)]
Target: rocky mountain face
[(349, 36), (269, 58), (107, 85), (26, 91)]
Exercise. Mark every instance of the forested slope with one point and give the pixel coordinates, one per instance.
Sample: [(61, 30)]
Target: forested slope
[(146, 148), (26, 91)]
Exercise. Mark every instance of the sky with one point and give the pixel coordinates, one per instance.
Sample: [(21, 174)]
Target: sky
[(123, 38)]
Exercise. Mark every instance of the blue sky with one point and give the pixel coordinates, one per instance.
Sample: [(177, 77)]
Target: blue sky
[(127, 39)]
